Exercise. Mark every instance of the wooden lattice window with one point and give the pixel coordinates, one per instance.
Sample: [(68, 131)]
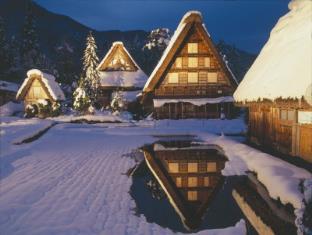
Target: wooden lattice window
[(206, 181), (173, 77), (192, 62), (212, 77), (192, 47), (37, 92), (207, 62), (211, 166), (173, 167), (192, 182), (192, 167), (283, 114), (178, 62), (179, 182), (192, 77)]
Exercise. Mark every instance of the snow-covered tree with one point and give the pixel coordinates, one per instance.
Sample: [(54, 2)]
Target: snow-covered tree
[(81, 99), (30, 53), (118, 102), (90, 77)]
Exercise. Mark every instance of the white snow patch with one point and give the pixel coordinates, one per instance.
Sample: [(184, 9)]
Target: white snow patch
[(197, 102), (10, 108), (8, 86)]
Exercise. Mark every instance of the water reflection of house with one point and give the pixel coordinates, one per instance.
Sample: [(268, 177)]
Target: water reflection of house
[(189, 176), (119, 71), (191, 79), (264, 214)]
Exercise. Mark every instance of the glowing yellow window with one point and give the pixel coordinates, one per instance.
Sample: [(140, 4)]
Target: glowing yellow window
[(212, 77), (192, 167), (207, 62), (206, 181), (192, 182), (192, 77), (37, 92), (211, 167), (178, 62), (192, 47), (192, 195), (173, 167), (192, 62), (179, 182), (173, 78)]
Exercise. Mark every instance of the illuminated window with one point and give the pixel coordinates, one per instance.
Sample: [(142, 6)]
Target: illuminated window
[(192, 182), (178, 62), (192, 77), (291, 115), (192, 62), (211, 166), (192, 167), (212, 77), (183, 167), (305, 117), (179, 182), (284, 114), (207, 62), (192, 195), (173, 78), (192, 47), (206, 181), (173, 167), (37, 92)]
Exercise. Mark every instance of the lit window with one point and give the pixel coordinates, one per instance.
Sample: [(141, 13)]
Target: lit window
[(211, 166), (192, 62), (304, 117), (37, 92), (206, 181), (173, 78), (173, 167), (192, 195), (192, 47), (192, 182), (192, 167), (212, 77), (192, 77), (179, 182), (291, 115), (219, 91), (207, 62), (178, 62)]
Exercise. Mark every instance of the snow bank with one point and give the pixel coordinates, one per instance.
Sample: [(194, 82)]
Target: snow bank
[(130, 96), (197, 102), (10, 108), (97, 118), (49, 81), (283, 67)]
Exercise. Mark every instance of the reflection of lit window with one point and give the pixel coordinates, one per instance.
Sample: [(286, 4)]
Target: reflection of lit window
[(206, 181), (192, 167), (192, 182), (192, 195), (173, 167), (211, 167), (37, 91), (179, 182)]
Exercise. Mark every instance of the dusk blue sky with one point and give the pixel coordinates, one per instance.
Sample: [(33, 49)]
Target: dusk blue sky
[(245, 23)]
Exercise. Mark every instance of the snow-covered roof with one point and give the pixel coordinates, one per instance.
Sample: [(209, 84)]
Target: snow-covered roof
[(188, 18), (123, 78), (8, 86), (284, 65), (197, 102), (49, 82), (135, 78)]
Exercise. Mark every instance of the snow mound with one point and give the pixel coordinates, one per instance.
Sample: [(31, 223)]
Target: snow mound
[(10, 108), (283, 67), (8, 86)]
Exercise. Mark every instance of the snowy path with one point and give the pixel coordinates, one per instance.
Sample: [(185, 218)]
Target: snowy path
[(71, 181)]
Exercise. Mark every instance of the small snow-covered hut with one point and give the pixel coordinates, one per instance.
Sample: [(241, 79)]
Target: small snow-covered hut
[(39, 86), (277, 89), (119, 71), (191, 80)]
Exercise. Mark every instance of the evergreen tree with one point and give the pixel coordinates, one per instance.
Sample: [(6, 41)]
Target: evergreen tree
[(91, 77), (81, 99), (30, 47)]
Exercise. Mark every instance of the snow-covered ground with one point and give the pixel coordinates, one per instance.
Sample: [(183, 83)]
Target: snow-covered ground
[(72, 179)]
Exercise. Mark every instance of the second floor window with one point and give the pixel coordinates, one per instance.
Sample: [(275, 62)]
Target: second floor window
[(192, 48)]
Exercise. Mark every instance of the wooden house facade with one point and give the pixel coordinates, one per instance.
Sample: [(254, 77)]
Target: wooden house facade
[(191, 79), (190, 178), (119, 72), (39, 86), (279, 97)]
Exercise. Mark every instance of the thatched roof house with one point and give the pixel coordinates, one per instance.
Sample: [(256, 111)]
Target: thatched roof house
[(191, 79), (39, 86), (278, 87)]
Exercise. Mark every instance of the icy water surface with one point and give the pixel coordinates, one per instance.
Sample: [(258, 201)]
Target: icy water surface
[(179, 186)]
